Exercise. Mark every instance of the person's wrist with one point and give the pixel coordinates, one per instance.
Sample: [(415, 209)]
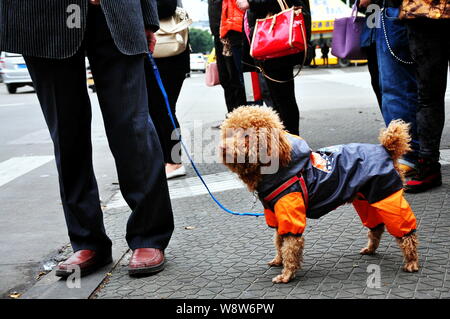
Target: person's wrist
[(242, 4), (151, 40)]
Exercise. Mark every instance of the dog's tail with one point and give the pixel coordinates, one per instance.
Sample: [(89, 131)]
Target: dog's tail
[(396, 139)]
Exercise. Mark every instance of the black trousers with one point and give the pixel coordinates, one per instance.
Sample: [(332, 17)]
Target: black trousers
[(229, 77), (283, 96), (429, 43), (372, 64), (172, 79), (120, 81)]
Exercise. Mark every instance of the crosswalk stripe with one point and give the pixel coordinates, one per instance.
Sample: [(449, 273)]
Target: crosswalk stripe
[(360, 79), (192, 186), (37, 137), (18, 166), (12, 104), (220, 182)]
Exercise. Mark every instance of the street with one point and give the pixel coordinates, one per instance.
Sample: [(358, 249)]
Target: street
[(336, 106)]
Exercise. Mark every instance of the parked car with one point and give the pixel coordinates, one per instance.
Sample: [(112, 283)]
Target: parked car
[(198, 62), (14, 71)]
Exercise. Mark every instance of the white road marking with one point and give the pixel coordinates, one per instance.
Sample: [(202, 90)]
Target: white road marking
[(43, 137), (220, 182), (37, 137), (189, 187), (445, 157), (357, 79), (12, 104), (18, 166)]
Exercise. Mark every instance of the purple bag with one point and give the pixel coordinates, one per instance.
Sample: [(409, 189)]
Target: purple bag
[(346, 37)]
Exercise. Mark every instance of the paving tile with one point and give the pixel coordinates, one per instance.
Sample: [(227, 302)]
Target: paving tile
[(225, 256)]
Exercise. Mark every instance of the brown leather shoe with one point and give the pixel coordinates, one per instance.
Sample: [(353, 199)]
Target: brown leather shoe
[(88, 261), (146, 261)]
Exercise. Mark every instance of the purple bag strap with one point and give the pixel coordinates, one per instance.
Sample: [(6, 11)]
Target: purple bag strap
[(354, 11)]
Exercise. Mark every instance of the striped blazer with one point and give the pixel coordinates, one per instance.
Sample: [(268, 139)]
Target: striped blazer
[(55, 28)]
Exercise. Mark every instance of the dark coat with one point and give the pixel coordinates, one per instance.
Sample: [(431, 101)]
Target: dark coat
[(39, 28), (215, 15), (336, 177)]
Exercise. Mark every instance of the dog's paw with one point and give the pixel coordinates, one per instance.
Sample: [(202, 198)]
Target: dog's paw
[(282, 279), (276, 262), (411, 266), (367, 251)]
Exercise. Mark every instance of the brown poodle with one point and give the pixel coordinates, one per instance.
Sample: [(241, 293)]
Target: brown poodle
[(294, 183)]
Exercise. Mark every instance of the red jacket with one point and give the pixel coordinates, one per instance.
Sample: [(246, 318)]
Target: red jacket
[(232, 18)]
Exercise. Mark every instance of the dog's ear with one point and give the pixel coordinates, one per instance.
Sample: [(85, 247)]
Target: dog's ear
[(284, 150), (274, 146)]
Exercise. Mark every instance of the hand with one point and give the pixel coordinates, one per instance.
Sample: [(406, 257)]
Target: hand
[(242, 4), (151, 39), (95, 2), (364, 3)]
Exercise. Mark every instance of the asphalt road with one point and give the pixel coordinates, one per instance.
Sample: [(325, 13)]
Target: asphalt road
[(32, 226)]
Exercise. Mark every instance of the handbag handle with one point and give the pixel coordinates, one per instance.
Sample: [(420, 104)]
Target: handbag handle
[(354, 11), (302, 27), (182, 25), (177, 28), (283, 5)]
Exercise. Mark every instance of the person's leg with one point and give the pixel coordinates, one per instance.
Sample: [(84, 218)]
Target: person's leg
[(237, 59), (265, 90), (397, 80), (374, 73), (173, 82), (122, 93), (283, 97), (234, 90), (429, 45), (61, 88), (429, 48)]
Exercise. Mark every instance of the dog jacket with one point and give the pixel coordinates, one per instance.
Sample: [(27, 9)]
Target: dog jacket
[(315, 183)]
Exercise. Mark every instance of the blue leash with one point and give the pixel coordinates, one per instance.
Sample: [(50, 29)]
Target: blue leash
[(164, 93)]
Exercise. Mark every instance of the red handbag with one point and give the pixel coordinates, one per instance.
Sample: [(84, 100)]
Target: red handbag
[(279, 35)]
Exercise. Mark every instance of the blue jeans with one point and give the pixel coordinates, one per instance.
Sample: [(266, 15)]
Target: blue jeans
[(398, 83)]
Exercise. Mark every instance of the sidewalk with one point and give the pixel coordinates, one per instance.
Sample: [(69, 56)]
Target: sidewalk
[(215, 255), (225, 256)]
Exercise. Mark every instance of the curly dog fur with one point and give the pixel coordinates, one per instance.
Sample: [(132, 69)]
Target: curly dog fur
[(265, 123), (267, 131)]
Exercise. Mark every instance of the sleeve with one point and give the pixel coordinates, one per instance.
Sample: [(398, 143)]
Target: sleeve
[(271, 219), (150, 13), (290, 214)]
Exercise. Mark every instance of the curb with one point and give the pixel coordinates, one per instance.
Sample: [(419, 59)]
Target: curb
[(52, 287)]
